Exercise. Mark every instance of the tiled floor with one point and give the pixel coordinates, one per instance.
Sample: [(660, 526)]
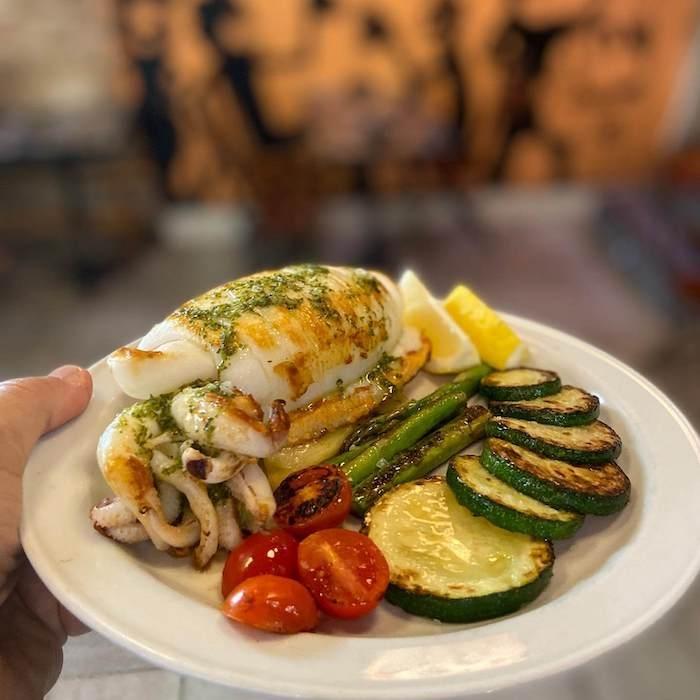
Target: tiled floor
[(662, 664)]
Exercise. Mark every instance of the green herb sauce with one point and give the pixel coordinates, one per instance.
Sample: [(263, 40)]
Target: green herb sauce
[(176, 466), (157, 408), (287, 289), (379, 373), (214, 316), (218, 493)]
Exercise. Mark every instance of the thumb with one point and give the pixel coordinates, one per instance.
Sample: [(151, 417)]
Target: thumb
[(33, 406)]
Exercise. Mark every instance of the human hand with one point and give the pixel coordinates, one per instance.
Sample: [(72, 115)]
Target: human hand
[(33, 624)]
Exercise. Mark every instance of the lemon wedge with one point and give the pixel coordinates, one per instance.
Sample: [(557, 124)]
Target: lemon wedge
[(452, 350), (497, 343)]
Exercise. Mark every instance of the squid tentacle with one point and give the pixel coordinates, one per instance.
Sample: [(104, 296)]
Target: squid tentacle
[(230, 535), (200, 503), (211, 470), (251, 487), (149, 469)]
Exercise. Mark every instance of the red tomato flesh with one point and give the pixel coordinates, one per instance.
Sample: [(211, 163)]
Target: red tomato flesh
[(262, 553), (313, 499), (345, 571), (273, 604)]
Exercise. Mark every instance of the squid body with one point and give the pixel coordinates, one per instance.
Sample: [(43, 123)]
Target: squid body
[(230, 377)]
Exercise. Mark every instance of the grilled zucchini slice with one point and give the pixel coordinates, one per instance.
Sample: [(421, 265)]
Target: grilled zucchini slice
[(571, 406), (450, 565), (485, 495), (520, 384), (595, 443), (599, 490)]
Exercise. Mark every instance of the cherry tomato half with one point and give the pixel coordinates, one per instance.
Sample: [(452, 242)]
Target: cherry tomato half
[(262, 553), (345, 571), (313, 499), (273, 604)]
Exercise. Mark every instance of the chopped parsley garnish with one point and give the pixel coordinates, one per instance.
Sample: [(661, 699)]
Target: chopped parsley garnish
[(369, 284), (157, 408), (379, 374), (218, 493), (214, 316), (176, 466), (287, 289)]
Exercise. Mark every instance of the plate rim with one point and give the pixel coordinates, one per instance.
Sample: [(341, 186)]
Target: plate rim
[(449, 684)]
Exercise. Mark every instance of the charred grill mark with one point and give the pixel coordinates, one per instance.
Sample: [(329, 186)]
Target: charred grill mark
[(249, 406), (594, 437), (471, 413), (297, 373), (570, 402), (583, 401), (518, 378), (329, 492), (416, 453), (279, 419), (135, 354), (132, 474), (289, 487), (242, 406), (543, 557), (299, 499), (605, 479), (406, 579), (199, 468), (258, 332)]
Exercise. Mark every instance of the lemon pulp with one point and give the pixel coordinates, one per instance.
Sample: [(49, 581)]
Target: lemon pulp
[(452, 349)]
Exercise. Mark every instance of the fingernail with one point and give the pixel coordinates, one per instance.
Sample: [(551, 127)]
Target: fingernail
[(69, 374)]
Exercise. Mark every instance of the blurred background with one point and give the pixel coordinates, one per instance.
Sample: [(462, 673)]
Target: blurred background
[(546, 152)]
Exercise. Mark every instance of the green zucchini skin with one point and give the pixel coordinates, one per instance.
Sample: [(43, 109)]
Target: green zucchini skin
[(548, 413), (499, 428), (553, 493), (428, 577), (508, 518), (464, 610), (519, 392)]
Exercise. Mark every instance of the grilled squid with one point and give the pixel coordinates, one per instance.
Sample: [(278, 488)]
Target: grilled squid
[(113, 518), (231, 377), (291, 334), (211, 470), (198, 498), (218, 415), (251, 487), (124, 454), (230, 534)]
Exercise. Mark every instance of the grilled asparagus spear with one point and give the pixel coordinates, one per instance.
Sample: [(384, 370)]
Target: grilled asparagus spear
[(467, 382), (405, 434), (426, 455)]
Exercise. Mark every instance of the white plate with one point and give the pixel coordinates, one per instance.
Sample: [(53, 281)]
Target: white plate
[(615, 578)]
